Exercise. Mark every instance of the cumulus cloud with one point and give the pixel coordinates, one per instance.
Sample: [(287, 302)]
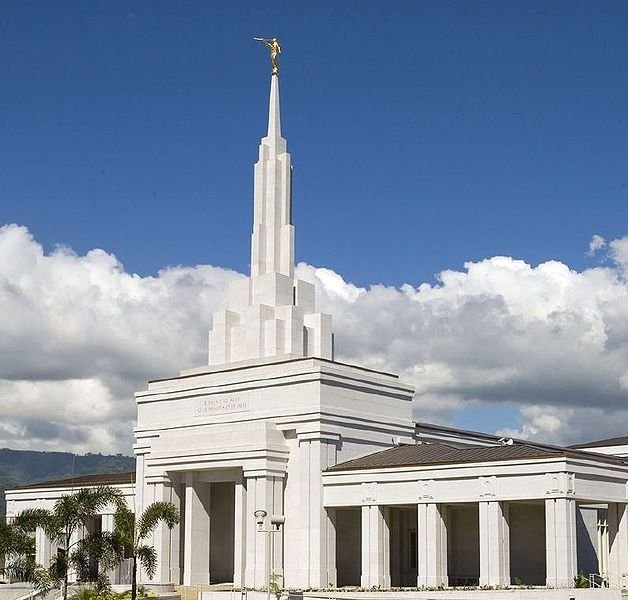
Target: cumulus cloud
[(546, 338), (597, 243), (79, 334)]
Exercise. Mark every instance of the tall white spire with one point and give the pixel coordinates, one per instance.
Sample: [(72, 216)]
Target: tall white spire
[(272, 243), (274, 114), (271, 315)]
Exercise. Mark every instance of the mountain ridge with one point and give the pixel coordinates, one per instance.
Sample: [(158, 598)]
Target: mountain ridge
[(22, 467)]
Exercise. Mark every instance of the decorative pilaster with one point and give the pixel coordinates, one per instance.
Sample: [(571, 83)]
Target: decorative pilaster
[(494, 544), (560, 542), (432, 545)]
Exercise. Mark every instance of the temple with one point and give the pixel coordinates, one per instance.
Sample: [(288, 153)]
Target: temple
[(357, 494)]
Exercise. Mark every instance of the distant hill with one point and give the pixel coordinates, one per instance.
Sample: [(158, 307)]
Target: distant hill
[(20, 467)]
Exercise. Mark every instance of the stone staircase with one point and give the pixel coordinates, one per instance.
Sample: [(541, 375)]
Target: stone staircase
[(193, 592)]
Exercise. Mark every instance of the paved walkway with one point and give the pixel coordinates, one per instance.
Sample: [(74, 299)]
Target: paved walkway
[(10, 591)]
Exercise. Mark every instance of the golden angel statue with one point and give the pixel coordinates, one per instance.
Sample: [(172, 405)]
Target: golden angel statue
[(275, 51)]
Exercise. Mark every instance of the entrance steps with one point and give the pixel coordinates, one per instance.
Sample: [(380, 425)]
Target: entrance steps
[(194, 592)]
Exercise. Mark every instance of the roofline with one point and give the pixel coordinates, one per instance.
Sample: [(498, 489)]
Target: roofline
[(279, 362), (522, 459), (605, 443), (445, 428), (71, 482), (489, 436), (591, 456)]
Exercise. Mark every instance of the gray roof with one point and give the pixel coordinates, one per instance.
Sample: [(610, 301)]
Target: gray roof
[(439, 453), (616, 441), (83, 481)]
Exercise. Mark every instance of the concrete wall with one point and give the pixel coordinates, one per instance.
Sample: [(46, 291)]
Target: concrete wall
[(348, 546), (527, 543), (463, 545)]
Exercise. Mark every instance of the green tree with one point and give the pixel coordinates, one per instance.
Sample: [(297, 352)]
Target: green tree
[(69, 514), (131, 533), (17, 548)]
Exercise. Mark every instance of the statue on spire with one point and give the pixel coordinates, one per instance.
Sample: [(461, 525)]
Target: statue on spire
[(275, 51)]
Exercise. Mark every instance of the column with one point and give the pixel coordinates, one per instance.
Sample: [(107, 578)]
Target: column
[(43, 548), (239, 532), (330, 539), (375, 547), (618, 544), (432, 545), (263, 492), (108, 525), (166, 540), (494, 544), (75, 538), (196, 531), (310, 552), (560, 542)]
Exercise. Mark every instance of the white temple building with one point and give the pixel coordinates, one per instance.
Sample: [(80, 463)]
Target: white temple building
[(370, 498)]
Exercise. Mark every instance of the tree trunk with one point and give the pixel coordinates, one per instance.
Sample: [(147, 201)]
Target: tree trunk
[(134, 579), (66, 566)]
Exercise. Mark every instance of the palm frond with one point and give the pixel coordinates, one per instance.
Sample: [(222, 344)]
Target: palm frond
[(154, 513), (31, 518), (15, 541), (147, 557), (124, 525)]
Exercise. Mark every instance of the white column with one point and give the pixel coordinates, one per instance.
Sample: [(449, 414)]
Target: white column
[(375, 547), (332, 573), (239, 532), (618, 544), (264, 492), (107, 526), (196, 534), (560, 542), (494, 544), (76, 537), (43, 548), (310, 537), (432, 545), (166, 540)]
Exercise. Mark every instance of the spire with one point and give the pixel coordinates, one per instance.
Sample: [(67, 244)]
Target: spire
[(272, 314), (274, 116), (272, 243)]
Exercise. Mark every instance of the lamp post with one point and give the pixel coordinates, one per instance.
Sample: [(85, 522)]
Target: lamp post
[(276, 521)]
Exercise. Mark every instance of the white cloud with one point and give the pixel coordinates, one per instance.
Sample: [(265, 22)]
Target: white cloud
[(597, 243), (78, 335)]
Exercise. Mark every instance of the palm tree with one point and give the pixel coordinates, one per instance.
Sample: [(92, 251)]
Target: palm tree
[(131, 533), (17, 548), (69, 514)]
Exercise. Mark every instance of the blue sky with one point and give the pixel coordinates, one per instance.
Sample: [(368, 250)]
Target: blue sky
[(423, 135)]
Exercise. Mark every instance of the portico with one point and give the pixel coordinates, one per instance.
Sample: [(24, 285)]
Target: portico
[(496, 516)]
